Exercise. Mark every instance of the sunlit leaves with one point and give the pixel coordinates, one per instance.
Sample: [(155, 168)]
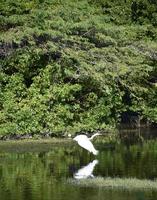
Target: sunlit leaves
[(71, 67)]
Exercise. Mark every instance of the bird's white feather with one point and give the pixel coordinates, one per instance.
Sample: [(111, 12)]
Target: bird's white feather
[(84, 142)]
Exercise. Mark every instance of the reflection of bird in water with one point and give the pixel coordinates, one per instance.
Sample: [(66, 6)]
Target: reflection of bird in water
[(85, 142), (86, 171)]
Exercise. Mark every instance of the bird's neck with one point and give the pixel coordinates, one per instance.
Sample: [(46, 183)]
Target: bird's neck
[(93, 136)]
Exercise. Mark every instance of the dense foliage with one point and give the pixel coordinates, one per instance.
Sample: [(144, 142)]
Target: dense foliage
[(71, 66)]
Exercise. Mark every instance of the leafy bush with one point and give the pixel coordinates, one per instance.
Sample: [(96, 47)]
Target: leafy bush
[(68, 67)]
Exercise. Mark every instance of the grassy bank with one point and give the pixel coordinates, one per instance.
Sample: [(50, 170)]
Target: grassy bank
[(33, 145), (117, 183)]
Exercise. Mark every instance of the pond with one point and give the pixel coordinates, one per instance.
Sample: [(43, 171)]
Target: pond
[(41, 171)]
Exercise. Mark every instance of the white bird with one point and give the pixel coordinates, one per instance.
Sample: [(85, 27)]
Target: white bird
[(86, 171), (85, 142)]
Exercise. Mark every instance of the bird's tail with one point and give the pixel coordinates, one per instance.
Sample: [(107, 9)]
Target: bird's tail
[(95, 152)]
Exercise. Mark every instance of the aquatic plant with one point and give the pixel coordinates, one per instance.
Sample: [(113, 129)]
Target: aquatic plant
[(117, 183)]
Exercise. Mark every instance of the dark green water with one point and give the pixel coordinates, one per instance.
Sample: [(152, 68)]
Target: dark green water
[(41, 173)]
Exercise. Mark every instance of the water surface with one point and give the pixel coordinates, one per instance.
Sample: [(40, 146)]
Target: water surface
[(40, 172)]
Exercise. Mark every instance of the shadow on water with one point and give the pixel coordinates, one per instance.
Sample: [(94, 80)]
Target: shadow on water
[(41, 172)]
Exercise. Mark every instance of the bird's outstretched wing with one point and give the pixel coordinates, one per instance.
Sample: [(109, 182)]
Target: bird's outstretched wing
[(86, 144)]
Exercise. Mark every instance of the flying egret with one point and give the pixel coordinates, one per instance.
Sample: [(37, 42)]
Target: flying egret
[(85, 142), (86, 171)]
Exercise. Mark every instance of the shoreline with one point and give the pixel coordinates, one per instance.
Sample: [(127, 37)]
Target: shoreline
[(32, 145)]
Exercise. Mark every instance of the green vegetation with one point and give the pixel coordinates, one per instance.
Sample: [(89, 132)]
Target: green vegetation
[(32, 145), (117, 183), (72, 66)]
